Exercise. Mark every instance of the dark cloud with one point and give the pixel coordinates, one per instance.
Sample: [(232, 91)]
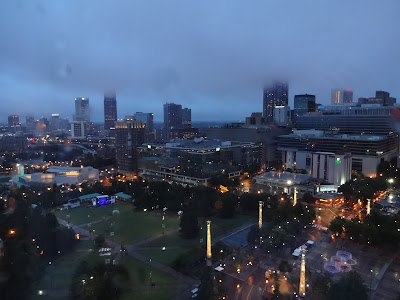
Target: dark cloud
[(213, 56)]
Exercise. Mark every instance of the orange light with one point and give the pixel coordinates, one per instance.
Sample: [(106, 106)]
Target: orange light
[(11, 232), (238, 285), (266, 281), (77, 236)]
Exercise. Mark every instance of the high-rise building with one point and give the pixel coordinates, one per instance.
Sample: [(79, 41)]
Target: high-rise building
[(275, 95), (172, 118), (110, 110), (347, 96), (282, 115), (82, 110), (79, 129), (129, 135), (148, 120), (13, 120), (186, 118), (304, 104), (337, 96)]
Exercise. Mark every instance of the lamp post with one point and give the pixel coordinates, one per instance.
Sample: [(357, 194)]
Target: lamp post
[(208, 243)]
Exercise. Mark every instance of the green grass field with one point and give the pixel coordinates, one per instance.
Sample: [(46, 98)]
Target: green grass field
[(176, 246), (58, 276), (83, 214), (129, 226)]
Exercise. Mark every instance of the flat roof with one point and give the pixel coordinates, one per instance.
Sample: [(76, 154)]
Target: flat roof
[(123, 195), (328, 196), (323, 135), (285, 176), (62, 169), (202, 144), (88, 196)]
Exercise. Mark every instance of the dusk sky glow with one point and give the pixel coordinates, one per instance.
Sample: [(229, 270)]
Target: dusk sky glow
[(211, 56)]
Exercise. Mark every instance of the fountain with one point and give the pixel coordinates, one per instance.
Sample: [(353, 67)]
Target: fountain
[(341, 262)]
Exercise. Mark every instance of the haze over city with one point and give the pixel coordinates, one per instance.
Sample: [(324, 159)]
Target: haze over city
[(211, 57)]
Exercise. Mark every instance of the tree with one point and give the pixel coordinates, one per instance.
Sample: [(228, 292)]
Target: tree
[(307, 197), (337, 225), (284, 266), (99, 282), (323, 283), (349, 287), (99, 241), (189, 225), (253, 237), (228, 206)]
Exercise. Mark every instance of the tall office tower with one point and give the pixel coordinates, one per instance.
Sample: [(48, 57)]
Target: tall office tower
[(172, 118), (275, 95), (55, 122), (82, 112), (129, 135), (186, 118), (337, 96), (347, 96), (148, 119), (30, 123), (110, 110), (304, 104), (13, 120)]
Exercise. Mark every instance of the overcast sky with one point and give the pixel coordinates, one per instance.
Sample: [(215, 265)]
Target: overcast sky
[(212, 56)]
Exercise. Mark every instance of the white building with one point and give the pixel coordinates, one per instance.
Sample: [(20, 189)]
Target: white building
[(331, 167), (281, 115), (59, 176)]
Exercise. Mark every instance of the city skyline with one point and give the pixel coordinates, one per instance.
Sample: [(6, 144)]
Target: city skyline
[(209, 62)]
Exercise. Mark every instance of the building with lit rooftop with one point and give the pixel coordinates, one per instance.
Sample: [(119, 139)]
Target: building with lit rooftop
[(196, 161)]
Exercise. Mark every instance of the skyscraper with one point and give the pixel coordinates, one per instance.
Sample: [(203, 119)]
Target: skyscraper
[(275, 95), (172, 118), (129, 135), (347, 96), (186, 118), (13, 120), (337, 96), (148, 119), (304, 104), (82, 112), (110, 110)]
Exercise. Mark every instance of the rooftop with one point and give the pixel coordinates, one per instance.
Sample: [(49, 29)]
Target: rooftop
[(285, 176), (312, 133), (62, 169), (203, 144)]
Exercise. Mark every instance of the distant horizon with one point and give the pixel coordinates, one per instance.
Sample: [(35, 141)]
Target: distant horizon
[(214, 58)]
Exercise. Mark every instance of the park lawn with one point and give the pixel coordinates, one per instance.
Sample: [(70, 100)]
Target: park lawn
[(159, 294), (133, 226), (88, 214), (58, 275), (176, 246), (140, 274)]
